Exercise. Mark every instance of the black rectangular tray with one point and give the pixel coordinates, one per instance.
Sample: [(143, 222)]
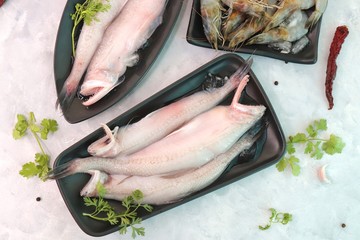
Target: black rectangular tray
[(268, 149), (63, 61), (196, 36)]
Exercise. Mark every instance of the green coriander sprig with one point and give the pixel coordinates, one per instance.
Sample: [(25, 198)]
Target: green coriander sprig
[(40, 166), (277, 217), (86, 12), (315, 146), (104, 212)]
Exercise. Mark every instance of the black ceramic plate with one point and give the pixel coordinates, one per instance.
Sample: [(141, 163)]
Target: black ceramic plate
[(266, 151), (196, 36), (63, 61)]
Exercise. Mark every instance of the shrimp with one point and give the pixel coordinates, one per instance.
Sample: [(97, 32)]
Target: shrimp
[(211, 18), (233, 20), (250, 27), (248, 8), (288, 8), (320, 8), (289, 31)]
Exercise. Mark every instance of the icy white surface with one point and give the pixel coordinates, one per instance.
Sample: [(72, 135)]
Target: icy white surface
[(27, 37)]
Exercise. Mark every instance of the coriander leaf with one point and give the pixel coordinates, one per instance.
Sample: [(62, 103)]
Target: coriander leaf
[(86, 12), (265, 228), (295, 168), (29, 170), (298, 138), (40, 167), (137, 195), (311, 131), (321, 124), (309, 147), (277, 217), (333, 145), (127, 218), (48, 125), (100, 189), (282, 164), (317, 153), (20, 127), (287, 217), (290, 148)]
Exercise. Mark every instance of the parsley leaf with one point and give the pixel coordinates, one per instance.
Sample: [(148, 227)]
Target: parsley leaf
[(333, 145), (313, 146), (86, 12), (40, 166), (277, 217), (127, 218)]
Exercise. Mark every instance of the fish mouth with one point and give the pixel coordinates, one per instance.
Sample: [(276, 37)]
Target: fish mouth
[(93, 90)]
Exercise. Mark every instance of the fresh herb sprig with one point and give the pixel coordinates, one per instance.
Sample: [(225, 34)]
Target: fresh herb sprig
[(277, 217), (86, 12), (40, 166), (315, 146), (104, 212)]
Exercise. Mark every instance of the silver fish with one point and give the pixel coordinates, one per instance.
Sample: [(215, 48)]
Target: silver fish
[(117, 51), (156, 125), (89, 39), (196, 143), (170, 188)]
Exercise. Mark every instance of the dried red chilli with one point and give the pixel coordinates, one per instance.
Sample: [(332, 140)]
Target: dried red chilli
[(339, 38), (2, 2)]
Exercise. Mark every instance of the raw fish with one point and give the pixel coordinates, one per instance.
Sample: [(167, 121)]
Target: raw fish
[(193, 145), (158, 124)]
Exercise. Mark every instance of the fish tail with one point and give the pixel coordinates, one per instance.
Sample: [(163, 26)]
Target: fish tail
[(256, 131), (242, 71), (61, 171), (66, 97)]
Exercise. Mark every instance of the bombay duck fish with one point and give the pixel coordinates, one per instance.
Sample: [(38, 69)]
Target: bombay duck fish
[(108, 47)]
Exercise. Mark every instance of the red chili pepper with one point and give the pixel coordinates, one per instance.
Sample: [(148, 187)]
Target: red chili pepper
[(339, 38), (2, 2)]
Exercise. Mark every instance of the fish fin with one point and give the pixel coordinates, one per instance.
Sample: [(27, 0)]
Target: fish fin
[(66, 97), (61, 171), (242, 71), (104, 146), (90, 189), (176, 174), (132, 60)]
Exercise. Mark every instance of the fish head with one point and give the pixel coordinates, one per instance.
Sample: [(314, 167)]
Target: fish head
[(91, 188), (93, 90)]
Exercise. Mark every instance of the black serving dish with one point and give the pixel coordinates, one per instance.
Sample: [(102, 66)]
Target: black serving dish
[(63, 61), (267, 150), (195, 35)]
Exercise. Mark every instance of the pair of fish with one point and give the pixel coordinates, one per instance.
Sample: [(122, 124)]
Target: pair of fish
[(197, 148), (246, 18), (108, 46)]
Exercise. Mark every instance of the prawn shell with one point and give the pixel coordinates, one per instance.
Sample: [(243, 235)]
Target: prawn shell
[(309, 55), (266, 152)]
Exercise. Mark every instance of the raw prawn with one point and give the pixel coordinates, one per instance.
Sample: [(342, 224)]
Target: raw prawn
[(288, 8), (320, 7), (163, 121), (211, 19), (193, 145), (290, 31)]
